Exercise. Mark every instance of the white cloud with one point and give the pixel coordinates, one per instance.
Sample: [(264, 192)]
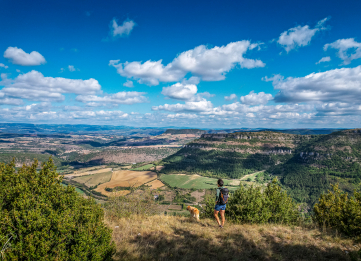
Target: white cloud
[(189, 106), (128, 84), (34, 86), (117, 98), (18, 71), (208, 64), (180, 91), (299, 36), (230, 97), (122, 30), (348, 49), (256, 98), (71, 68), (18, 56), (324, 59), (4, 66), (338, 85), (182, 116)]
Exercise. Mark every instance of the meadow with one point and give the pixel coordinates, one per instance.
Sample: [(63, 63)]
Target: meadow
[(195, 181), (145, 167)]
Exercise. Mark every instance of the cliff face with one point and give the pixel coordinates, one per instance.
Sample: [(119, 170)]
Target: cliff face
[(305, 164)]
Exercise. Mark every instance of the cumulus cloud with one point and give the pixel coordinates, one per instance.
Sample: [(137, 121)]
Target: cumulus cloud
[(348, 49), (324, 59), (4, 66), (189, 106), (299, 36), (180, 91), (230, 97), (34, 86), (117, 98), (256, 98), (208, 64), (18, 56), (338, 85), (128, 84), (121, 30)]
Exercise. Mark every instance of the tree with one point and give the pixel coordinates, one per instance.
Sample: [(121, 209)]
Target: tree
[(43, 220)]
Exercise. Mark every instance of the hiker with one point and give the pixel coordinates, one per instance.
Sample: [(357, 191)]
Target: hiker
[(221, 201)]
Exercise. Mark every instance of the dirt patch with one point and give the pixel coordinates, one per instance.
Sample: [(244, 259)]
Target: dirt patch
[(198, 195)]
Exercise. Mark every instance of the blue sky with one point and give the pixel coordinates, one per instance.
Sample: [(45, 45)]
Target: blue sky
[(210, 64)]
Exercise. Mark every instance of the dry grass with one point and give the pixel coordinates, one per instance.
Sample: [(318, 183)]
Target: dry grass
[(126, 178), (155, 184), (95, 179), (177, 238)]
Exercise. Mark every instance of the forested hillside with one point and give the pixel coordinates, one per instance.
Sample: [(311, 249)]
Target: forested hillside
[(305, 164)]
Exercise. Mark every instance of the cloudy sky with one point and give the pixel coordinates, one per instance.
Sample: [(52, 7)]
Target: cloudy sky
[(210, 64)]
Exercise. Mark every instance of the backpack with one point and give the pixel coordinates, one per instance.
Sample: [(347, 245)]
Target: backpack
[(223, 196)]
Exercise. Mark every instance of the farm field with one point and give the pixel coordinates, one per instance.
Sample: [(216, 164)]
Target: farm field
[(155, 184), (195, 181), (94, 179), (126, 178), (145, 167), (89, 172)]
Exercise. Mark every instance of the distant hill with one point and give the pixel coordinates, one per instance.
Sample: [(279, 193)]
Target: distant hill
[(305, 164), (184, 131)]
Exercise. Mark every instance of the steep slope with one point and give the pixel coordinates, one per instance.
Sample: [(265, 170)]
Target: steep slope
[(321, 161), (233, 155), (305, 164)]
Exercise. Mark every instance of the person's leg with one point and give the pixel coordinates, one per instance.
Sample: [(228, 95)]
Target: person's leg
[(216, 216), (222, 216)]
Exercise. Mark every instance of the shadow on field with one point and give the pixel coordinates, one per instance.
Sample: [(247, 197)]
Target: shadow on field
[(183, 244)]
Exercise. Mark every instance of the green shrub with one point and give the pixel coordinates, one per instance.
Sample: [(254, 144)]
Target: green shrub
[(44, 220), (252, 205), (339, 211)]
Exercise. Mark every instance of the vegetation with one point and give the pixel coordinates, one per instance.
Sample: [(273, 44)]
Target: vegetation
[(218, 163), (192, 182), (42, 220), (339, 211), (142, 204), (252, 205), (177, 238)]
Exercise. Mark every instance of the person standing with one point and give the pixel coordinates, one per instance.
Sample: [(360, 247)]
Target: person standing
[(221, 202)]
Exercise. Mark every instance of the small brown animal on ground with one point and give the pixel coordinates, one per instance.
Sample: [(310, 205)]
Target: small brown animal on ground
[(194, 212)]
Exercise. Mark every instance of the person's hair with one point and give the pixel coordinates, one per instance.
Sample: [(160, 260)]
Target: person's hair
[(220, 182)]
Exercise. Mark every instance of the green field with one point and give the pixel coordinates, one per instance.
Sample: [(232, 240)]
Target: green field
[(194, 181), (145, 167), (94, 179), (76, 189)]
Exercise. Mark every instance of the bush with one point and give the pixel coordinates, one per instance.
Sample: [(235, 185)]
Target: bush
[(44, 220), (252, 205), (124, 206), (339, 211)]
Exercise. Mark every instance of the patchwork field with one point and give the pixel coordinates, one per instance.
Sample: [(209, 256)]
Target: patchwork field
[(195, 181), (126, 178), (95, 179), (87, 172)]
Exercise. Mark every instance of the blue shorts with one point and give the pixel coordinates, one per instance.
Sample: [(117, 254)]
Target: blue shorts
[(220, 207)]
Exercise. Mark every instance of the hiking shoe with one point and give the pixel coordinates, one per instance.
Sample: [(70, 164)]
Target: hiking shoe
[(220, 226)]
